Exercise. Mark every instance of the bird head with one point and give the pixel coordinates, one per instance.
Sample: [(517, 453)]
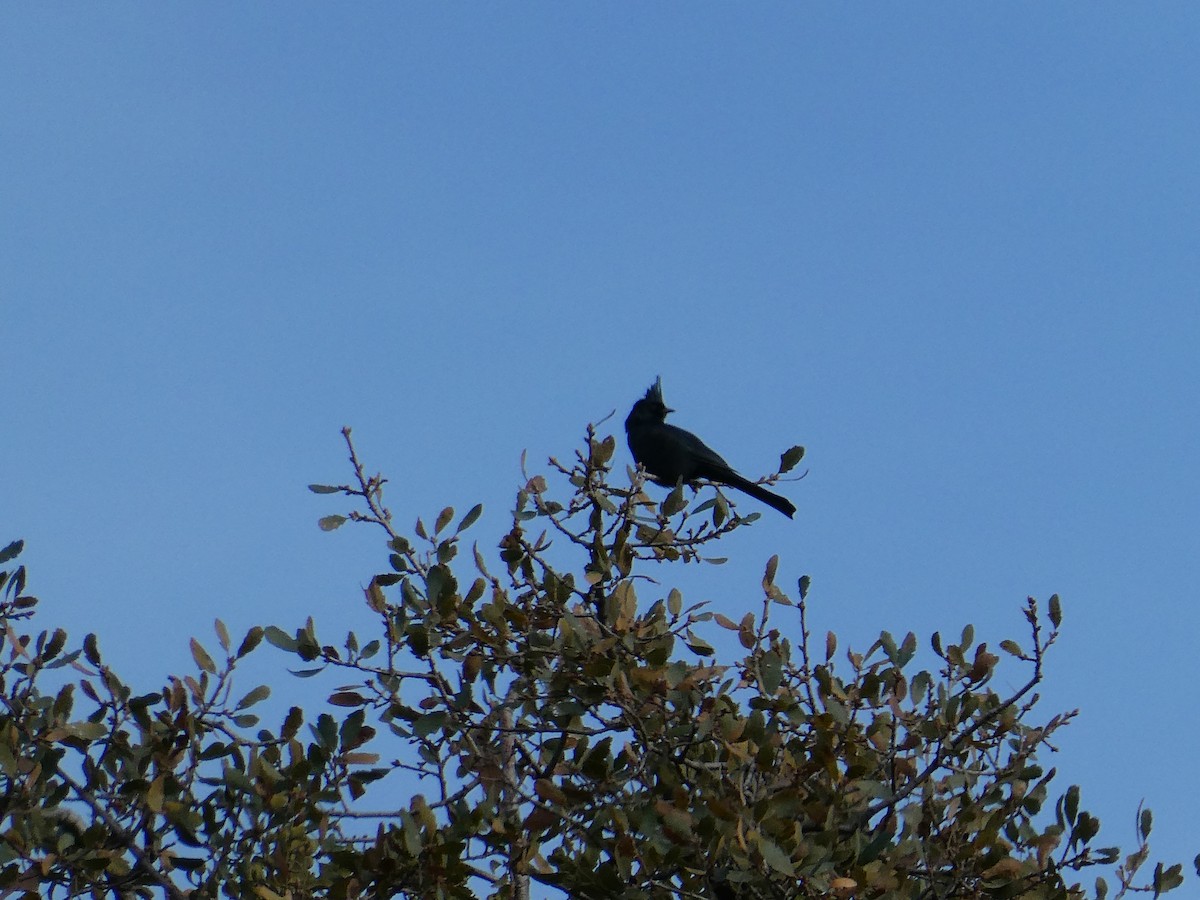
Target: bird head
[(650, 408), (654, 395)]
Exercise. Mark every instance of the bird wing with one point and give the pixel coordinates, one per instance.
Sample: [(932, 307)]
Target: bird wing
[(708, 463)]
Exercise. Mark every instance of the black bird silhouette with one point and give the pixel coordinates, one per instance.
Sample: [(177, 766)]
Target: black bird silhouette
[(670, 454)]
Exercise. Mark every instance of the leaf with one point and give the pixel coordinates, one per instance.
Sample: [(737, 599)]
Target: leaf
[(469, 519), (154, 794), (292, 723), (260, 693), (279, 638), (443, 519), (1071, 803), (1167, 879), (674, 502), (889, 645), (805, 583), (769, 576), (203, 660), (774, 857), (252, 639), (1012, 647), (772, 672), (1055, 611), (347, 698), (475, 592), (789, 458), (428, 724), (1145, 822), (324, 489), (91, 649), (12, 551), (54, 646), (88, 731), (222, 634), (546, 789), (329, 523)]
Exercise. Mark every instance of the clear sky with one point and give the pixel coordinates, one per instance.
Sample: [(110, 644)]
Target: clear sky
[(953, 249)]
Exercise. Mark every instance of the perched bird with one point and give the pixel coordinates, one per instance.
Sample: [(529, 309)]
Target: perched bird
[(670, 454)]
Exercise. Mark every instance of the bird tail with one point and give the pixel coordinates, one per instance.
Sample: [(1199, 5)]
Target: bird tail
[(758, 492)]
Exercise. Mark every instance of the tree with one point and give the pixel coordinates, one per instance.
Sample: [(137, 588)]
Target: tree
[(556, 719)]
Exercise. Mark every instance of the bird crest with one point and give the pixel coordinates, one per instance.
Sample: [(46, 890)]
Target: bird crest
[(654, 392)]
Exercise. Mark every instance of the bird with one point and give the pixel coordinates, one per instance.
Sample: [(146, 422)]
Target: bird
[(670, 454)]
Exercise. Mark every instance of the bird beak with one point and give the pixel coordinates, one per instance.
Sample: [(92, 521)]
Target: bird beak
[(667, 410)]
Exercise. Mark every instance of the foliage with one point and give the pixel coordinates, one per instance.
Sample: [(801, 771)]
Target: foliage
[(567, 722)]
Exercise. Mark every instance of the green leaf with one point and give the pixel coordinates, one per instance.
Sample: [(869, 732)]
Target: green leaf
[(12, 551), (222, 634), (54, 646), (203, 660), (773, 856), (789, 458), (443, 519), (1012, 647), (470, 518), (674, 502), (1145, 822), (1071, 804), (1167, 879), (91, 649), (889, 645), (88, 731), (675, 602), (772, 672), (324, 489), (347, 698), (908, 649), (260, 693), (252, 639), (1055, 611), (474, 592), (292, 723), (326, 731), (805, 584), (772, 567), (427, 725), (279, 638), (329, 523)]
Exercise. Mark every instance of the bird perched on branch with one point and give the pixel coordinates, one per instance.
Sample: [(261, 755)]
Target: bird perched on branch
[(670, 454)]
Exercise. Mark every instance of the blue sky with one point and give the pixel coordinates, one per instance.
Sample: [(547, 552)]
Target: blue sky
[(954, 251)]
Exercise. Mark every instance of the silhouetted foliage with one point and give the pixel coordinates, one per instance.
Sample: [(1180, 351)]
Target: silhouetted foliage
[(567, 722)]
